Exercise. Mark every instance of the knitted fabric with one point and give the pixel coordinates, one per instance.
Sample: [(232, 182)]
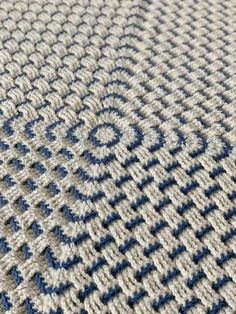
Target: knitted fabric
[(117, 156)]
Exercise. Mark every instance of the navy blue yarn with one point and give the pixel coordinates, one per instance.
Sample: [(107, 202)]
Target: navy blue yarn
[(151, 163), (217, 307), (83, 197), (130, 161), (165, 184), (71, 216), (62, 171), (66, 153), (14, 224), (162, 301), (136, 297), (119, 267), (139, 202), (193, 169), (180, 228), (185, 206), (230, 213), (108, 296), (133, 223), (224, 258), (88, 289), (110, 219), (23, 205), (9, 181), (162, 204), (228, 235), (49, 130), (122, 180), (144, 271), (29, 307), (216, 172), (204, 230), (104, 241), (200, 254), (53, 188), (128, 244), (172, 166), (16, 275), (5, 301), (46, 289), (99, 161), (189, 187), (232, 195), (159, 143), (189, 305), (3, 201), (3, 145), (31, 185), (138, 138), (171, 274), (220, 282), (117, 199), (158, 227), (70, 134), (67, 239), (36, 229), (180, 143), (144, 182), (191, 282), (225, 152), (23, 148), (100, 262), (45, 208), (26, 251), (212, 189), (56, 264), (203, 145), (208, 209), (152, 248), (86, 177), (39, 167), (45, 152), (177, 251)]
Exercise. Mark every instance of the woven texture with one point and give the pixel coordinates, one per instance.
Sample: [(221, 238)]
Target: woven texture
[(117, 156)]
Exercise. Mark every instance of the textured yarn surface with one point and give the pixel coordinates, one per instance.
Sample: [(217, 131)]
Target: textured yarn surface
[(117, 156)]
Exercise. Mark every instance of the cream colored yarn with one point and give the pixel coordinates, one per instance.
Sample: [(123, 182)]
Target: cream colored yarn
[(117, 156)]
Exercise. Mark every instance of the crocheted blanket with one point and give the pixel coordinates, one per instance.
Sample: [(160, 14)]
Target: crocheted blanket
[(117, 156)]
